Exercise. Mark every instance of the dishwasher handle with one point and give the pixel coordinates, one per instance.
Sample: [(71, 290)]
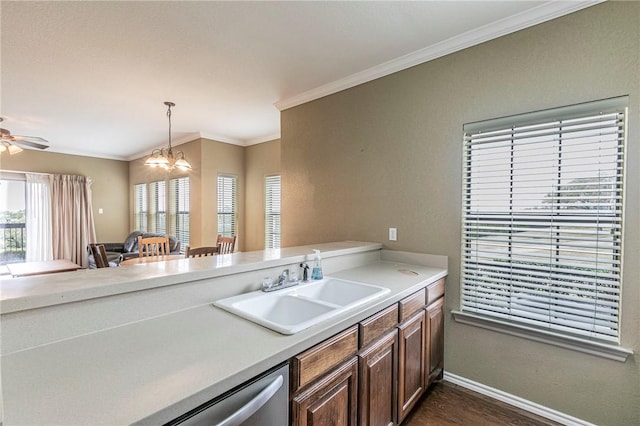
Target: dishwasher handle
[(254, 405)]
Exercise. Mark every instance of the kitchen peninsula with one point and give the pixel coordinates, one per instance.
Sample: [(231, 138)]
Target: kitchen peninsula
[(144, 344)]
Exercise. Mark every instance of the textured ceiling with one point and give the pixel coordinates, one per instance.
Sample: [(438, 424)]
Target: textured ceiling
[(91, 77)]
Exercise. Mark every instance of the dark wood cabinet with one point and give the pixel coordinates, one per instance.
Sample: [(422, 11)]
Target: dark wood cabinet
[(435, 340), (373, 373), (376, 325), (411, 362), (317, 361), (331, 400), (378, 366)]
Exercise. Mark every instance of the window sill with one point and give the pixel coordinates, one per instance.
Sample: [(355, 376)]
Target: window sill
[(604, 350)]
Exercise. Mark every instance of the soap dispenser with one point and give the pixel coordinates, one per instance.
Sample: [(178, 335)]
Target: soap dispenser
[(316, 273)]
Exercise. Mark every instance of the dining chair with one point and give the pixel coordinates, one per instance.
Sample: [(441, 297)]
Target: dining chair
[(226, 244), (201, 251), (153, 246), (99, 255)]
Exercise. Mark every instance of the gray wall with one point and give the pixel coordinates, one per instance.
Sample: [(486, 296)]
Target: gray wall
[(389, 154)]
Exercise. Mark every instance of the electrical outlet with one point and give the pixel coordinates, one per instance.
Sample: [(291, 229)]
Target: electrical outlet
[(393, 234)]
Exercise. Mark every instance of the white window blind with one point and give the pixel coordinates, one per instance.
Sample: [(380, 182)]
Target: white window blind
[(542, 219), (158, 213), (227, 205), (179, 193), (140, 207), (272, 212)]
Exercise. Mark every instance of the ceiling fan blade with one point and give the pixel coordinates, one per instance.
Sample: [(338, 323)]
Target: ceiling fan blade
[(30, 141)]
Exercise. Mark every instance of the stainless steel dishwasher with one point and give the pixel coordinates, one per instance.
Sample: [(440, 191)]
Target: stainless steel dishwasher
[(262, 401)]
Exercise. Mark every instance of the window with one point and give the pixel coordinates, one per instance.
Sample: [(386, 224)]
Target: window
[(158, 213), (13, 221), (227, 205), (272, 212), (140, 207), (542, 219), (175, 199), (179, 212)]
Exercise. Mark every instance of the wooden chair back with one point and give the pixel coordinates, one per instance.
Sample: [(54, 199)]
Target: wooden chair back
[(99, 255), (201, 251), (153, 246), (226, 244)]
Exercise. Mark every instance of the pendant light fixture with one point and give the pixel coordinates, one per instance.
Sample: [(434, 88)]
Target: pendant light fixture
[(165, 157)]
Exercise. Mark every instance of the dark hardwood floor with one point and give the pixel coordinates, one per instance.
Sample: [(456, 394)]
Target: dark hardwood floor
[(448, 404)]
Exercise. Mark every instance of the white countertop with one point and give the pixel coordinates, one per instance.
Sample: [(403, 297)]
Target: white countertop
[(153, 370), (18, 294)]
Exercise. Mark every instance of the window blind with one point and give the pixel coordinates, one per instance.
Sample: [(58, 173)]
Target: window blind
[(542, 219), (140, 206), (158, 213), (179, 193), (272, 192), (227, 205)]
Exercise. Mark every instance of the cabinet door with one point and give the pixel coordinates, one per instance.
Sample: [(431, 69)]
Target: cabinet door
[(435, 340), (411, 363), (378, 365), (331, 400)]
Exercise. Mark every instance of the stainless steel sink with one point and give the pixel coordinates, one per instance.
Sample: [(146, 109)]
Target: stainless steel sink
[(293, 309)]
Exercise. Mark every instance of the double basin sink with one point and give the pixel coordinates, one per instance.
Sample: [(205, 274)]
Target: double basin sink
[(293, 309)]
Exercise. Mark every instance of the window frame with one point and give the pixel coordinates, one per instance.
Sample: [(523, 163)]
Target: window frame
[(594, 343)]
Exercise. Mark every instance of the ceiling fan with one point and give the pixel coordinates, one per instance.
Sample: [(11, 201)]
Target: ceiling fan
[(13, 143)]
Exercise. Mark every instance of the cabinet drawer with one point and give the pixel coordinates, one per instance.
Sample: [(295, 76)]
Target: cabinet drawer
[(411, 304), (331, 400), (313, 363), (378, 324), (435, 291)]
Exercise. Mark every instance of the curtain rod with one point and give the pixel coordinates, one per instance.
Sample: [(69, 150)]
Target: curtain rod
[(23, 172)]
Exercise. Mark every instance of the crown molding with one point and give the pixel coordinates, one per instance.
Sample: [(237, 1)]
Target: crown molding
[(220, 138), (81, 153), (195, 136), (262, 139), (239, 142), (534, 16), (179, 141)]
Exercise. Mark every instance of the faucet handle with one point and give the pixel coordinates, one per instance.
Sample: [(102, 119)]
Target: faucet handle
[(267, 283)]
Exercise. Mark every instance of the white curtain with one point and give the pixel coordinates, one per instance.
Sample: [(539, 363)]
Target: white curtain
[(72, 218), (38, 218)]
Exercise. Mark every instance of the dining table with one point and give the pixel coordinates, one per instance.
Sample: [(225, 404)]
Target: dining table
[(150, 259), (26, 269)]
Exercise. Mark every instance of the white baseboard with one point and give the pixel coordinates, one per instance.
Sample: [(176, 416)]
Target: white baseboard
[(516, 401)]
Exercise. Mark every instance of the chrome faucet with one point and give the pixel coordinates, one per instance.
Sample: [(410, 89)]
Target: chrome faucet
[(284, 277)]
